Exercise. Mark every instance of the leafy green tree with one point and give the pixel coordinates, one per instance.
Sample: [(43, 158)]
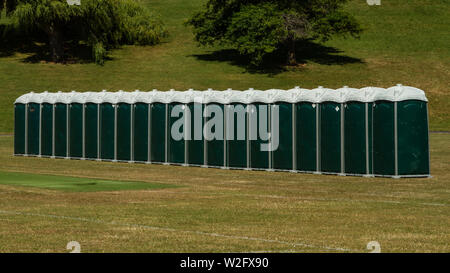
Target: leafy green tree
[(101, 24), (8, 5), (259, 27)]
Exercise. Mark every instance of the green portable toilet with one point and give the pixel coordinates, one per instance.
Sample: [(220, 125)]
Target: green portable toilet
[(27, 111), (384, 140), (282, 111), (307, 121), (123, 131), (19, 127), (236, 132), (358, 130), (76, 130), (141, 131), (410, 131), (413, 150)]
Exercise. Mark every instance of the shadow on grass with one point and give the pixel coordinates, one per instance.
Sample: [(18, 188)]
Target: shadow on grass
[(274, 63), (35, 46)]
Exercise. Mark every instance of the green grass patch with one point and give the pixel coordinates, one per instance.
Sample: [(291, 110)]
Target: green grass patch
[(74, 184), (404, 41)]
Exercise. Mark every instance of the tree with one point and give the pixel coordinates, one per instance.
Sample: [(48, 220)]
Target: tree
[(259, 27), (101, 24)]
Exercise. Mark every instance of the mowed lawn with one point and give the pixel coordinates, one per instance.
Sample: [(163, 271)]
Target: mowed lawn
[(404, 41), (217, 210), (189, 209), (72, 184)]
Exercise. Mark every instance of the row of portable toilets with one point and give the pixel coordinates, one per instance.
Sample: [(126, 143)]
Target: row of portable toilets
[(369, 131)]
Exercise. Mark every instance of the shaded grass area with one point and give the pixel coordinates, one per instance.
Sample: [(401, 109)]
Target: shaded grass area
[(215, 210), (73, 184), (405, 41)]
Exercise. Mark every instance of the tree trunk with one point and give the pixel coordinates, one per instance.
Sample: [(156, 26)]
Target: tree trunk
[(56, 44), (291, 58)]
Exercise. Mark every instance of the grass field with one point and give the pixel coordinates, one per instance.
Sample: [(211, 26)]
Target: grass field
[(121, 207), (223, 210), (405, 41), (72, 184)]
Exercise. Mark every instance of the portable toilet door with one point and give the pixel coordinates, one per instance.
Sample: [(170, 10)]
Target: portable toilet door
[(33, 124), (330, 137), (195, 145), (306, 137), (60, 133), (47, 129), (140, 127), (256, 113), (91, 131), (412, 128), (358, 137), (236, 135), (176, 133), (214, 134), (282, 154), (76, 130), (19, 128), (383, 138), (107, 131), (123, 132), (158, 131)]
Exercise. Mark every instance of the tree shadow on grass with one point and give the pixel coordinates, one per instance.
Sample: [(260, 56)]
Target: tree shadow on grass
[(275, 63), (35, 46)]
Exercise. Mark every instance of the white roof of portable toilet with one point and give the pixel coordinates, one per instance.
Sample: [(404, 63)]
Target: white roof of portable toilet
[(317, 95)]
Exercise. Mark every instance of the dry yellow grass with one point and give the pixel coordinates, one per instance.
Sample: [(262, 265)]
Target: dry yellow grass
[(225, 210)]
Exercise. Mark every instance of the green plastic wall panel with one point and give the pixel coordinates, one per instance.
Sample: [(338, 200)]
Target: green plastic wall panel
[(33, 128), (196, 143), (123, 132), (47, 129), (76, 130), (383, 138), (158, 132), (355, 138), (413, 151), (107, 131), (282, 156), (176, 147), (330, 137), (140, 134), (19, 128), (258, 159), (215, 148), (60, 130), (91, 131), (306, 136), (237, 148)]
